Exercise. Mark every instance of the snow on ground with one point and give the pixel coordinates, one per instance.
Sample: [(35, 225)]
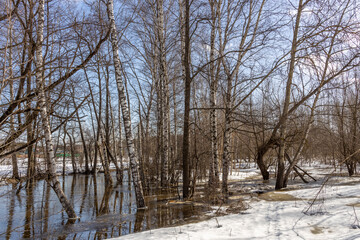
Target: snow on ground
[(282, 214), (240, 174), (274, 215), (6, 170)]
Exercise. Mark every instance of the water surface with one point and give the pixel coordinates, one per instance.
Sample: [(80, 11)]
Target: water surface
[(104, 212)]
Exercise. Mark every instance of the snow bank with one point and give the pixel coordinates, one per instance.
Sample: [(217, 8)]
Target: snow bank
[(332, 216)]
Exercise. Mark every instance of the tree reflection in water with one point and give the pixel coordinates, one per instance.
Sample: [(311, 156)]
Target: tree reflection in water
[(104, 211)]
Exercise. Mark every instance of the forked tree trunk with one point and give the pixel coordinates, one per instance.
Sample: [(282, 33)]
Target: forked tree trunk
[(50, 158), (125, 110)]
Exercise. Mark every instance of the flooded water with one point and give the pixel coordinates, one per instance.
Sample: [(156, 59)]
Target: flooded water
[(104, 213)]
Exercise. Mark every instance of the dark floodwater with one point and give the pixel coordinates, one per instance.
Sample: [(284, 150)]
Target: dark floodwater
[(104, 213)]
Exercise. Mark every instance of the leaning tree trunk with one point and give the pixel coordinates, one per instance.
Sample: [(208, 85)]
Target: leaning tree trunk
[(283, 129), (51, 165), (125, 110), (303, 141)]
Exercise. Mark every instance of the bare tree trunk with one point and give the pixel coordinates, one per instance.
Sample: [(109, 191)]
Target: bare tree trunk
[(40, 82), (31, 171), (125, 110), (119, 169), (97, 116), (354, 128), (52, 178), (103, 151), (141, 156), (64, 157), (72, 153), (227, 133), (214, 169), (185, 38), (107, 124), (163, 78), (282, 143), (159, 104), (15, 173), (87, 169), (96, 132), (120, 147), (303, 141), (175, 147)]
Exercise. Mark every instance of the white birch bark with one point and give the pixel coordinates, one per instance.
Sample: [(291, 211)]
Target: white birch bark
[(120, 146), (163, 77), (214, 169), (125, 110), (245, 45), (226, 145), (40, 82)]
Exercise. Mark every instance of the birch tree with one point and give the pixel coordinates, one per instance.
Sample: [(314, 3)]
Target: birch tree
[(249, 35), (214, 75), (124, 109), (40, 83), (165, 107)]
